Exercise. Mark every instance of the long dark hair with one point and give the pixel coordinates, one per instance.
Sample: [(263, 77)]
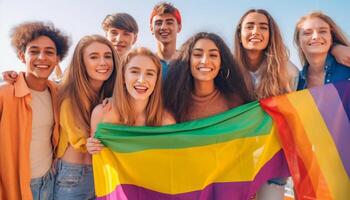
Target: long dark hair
[(179, 84)]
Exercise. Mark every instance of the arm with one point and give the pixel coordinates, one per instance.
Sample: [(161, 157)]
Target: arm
[(93, 145), (9, 76), (341, 54)]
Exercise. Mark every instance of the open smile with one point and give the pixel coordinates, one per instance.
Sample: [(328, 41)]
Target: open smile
[(141, 89)]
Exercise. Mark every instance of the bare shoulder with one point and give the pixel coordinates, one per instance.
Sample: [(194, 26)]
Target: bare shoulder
[(168, 118), (97, 113)]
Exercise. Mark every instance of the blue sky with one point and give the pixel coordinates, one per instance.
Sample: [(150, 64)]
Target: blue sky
[(81, 17)]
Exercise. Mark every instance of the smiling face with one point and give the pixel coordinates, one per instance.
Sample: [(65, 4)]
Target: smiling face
[(40, 57), (255, 32), (98, 59), (122, 39), (205, 60), (165, 28), (140, 77), (315, 36)]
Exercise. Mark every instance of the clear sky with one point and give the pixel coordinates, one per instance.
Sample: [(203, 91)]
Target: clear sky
[(81, 17)]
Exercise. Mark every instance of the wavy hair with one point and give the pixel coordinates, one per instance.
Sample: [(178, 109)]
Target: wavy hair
[(121, 98), (338, 35), (179, 82), (76, 85), (273, 66)]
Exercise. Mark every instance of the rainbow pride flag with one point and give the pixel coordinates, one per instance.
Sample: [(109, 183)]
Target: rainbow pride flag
[(230, 155), (314, 129), (227, 156)]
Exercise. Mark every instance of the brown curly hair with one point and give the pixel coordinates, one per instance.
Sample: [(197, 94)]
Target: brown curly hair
[(26, 32)]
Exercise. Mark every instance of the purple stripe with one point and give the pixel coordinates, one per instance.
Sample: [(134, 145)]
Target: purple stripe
[(276, 167), (344, 94), (331, 108)]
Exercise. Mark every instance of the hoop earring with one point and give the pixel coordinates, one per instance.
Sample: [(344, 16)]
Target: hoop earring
[(227, 74)]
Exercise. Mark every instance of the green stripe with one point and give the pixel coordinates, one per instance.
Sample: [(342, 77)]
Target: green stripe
[(245, 121)]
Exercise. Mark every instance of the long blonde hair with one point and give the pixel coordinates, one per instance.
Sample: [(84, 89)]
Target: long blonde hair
[(273, 68), (76, 85), (338, 35), (121, 97)]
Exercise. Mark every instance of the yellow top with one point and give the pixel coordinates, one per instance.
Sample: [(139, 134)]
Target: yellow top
[(70, 133)]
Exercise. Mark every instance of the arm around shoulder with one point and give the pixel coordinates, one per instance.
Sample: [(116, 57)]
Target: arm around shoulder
[(341, 54)]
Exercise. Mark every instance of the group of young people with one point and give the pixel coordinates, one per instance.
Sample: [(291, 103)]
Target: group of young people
[(47, 129)]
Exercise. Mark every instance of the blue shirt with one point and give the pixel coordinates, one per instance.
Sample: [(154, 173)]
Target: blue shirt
[(165, 65), (334, 72)]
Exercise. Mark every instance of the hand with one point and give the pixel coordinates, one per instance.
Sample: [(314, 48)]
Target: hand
[(9, 76), (105, 104), (341, 54), (93, 145)]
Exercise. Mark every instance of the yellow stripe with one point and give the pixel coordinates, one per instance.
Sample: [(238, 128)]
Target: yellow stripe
[(185, 170), (323, 145)]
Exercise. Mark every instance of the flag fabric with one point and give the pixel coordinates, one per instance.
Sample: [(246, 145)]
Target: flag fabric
[(230, 155), (314, 131), (227, 156)]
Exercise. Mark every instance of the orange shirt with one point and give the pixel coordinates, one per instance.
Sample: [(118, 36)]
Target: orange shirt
[(15, 137)]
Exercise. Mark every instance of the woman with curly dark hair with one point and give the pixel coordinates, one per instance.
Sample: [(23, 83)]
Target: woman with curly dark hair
[(204, 79)]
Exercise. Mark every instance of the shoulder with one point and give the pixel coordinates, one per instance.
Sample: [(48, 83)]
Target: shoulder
[(52, 85), (7, 91), (66, 105), (97, 112), (337, 68), (168, 118), (235, 100), (5, 88), (102, 110)]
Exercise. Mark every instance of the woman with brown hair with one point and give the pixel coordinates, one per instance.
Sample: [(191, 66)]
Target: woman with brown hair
[(259, 48), (88, 80)]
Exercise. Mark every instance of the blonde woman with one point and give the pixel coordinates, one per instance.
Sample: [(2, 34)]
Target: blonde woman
[(314, 36)]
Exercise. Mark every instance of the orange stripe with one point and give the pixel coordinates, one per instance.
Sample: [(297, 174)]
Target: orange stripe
[(304, 150), (298, 147)]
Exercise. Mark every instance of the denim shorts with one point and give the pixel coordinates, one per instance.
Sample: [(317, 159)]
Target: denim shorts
[(73, 181), (42, 188)]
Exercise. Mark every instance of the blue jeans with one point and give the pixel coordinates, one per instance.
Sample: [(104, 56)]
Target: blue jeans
[(74, 182), (42, 188)]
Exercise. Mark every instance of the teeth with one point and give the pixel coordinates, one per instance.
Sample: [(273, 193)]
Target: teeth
[(164, 34), (42, 66), (205, 69), (140, 87), (255, 40), (316, 44), (102, 70)]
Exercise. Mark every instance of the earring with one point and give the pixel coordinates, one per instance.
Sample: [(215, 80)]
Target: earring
[(227, 74)]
